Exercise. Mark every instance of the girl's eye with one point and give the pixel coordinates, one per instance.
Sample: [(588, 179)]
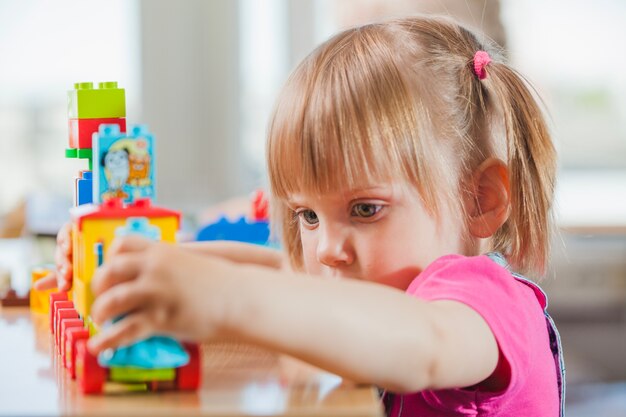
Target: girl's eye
[(365, 209), (309, 217)]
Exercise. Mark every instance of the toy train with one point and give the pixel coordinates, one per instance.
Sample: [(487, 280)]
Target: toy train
[(113, 197)]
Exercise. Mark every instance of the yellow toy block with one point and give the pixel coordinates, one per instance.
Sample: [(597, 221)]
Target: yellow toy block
[(95, 226), (40, 300)]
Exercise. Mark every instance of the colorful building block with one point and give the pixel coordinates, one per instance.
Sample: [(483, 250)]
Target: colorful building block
[(254, 230), (54, 308), (72, 336), (40, 300), (124, 164), (83, 188), (82, 130), (90, 375), (54, 298), (64, 327), (61, 315), (241, 230), (73, 153), (188, 377), (127, 374), (78, 153), (96, 224), (106, 101), (260, 207)]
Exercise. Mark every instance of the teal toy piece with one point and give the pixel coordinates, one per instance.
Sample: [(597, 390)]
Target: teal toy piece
[(156, 352), (139, 226)]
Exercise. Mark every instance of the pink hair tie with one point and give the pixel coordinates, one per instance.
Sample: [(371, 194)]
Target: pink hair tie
[(481, 59)]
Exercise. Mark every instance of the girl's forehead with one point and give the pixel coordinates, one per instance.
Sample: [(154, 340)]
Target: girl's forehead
[(372, 189)]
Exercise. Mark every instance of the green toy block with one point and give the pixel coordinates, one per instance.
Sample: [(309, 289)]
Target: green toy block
[(86, 102), (128, 374), (84, 153), (74, 153)]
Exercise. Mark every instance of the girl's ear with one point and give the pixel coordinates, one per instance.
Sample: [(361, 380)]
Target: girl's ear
[(490, 197)]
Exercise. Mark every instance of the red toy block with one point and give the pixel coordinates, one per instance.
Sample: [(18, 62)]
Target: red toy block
[(65, 326), (90, 375), (72, 336), (63, 314), (116, 209), (82, 130), (54, 297), (56, 305), (260, 206), (188, 376)]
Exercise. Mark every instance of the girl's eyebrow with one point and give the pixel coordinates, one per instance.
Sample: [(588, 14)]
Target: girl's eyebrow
[(382, 191)]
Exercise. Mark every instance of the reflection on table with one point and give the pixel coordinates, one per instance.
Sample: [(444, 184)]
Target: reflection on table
[(237, 380)]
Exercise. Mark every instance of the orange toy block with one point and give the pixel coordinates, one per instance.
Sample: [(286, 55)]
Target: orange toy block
[(40, 300)]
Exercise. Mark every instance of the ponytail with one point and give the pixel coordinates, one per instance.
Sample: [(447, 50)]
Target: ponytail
[(525, 237)]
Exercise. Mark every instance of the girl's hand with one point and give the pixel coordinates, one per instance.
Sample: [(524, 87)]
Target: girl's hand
[(159, 288), (61, 278)]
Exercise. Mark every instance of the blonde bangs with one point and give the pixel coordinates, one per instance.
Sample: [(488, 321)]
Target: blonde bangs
[(345, 120)]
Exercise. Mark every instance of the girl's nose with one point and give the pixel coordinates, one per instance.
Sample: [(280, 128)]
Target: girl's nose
[(334, 248)]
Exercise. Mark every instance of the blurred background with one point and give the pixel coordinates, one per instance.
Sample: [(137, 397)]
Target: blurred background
[(203, 74)]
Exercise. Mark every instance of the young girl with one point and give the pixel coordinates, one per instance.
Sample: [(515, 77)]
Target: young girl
[(412, 177)]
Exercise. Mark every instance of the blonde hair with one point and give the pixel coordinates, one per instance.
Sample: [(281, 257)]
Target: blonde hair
[(400, 99)]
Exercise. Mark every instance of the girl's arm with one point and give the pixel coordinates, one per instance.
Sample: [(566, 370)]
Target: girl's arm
[(238, 252), (363, 331)]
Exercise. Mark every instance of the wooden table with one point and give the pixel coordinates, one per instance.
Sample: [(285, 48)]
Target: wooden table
[(237, 380)]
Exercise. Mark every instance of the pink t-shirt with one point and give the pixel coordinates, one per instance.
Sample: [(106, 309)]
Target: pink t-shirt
[(515, 315)]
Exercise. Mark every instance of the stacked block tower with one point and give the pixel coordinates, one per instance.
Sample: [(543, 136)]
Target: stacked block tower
[(87, 109), (113, 198)]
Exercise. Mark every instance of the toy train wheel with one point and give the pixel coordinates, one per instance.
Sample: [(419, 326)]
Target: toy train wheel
[(89, 374), (188, 376)]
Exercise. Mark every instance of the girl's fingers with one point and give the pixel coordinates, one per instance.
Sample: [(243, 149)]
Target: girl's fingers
[(128, 244), (63, 264), (64, 238), (119, 269), (128, 330), (46, 283), (119, 300), (63, 285)]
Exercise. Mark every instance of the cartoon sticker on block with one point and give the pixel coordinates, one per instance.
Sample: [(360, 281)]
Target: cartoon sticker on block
[(125, 164)]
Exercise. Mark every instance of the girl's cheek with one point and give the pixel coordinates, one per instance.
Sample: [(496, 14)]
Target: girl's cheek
[(309, 256), (311, 266)]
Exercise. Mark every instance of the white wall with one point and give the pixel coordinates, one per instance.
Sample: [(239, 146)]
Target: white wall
[(190, 99)]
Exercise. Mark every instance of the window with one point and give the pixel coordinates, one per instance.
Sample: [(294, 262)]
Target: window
[(45, 47), (569, 49)]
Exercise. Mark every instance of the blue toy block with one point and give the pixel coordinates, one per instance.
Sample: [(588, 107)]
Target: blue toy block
[(240, 231), (124, 164), (84, 189)]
